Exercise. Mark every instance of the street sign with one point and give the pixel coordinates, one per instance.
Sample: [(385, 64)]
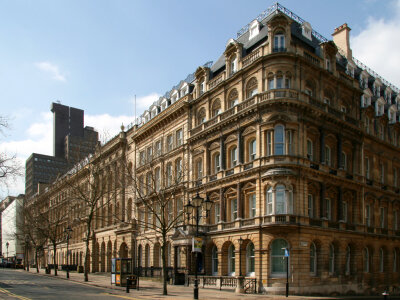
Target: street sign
[(286, 252), (197, 243)]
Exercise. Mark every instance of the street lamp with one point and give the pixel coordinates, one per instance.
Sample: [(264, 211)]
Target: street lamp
[(27, 252), (7, 244), (193, 211), (67, 231)]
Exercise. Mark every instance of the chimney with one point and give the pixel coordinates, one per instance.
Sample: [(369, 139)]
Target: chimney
[(341, 37)]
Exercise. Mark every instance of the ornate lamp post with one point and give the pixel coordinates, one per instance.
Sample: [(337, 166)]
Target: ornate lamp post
[(193, 212), (67, 231)]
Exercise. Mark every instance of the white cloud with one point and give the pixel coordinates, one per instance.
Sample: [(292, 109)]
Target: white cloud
[(377, 45), (106, 125), (144, 102), (52, 69)]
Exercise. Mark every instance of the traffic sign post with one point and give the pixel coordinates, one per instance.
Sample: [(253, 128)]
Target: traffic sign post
[(287, 270)]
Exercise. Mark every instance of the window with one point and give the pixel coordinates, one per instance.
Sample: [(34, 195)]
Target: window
[(231, 260), (279, 42), (368, 215), (216, 108), (382, 217), (233, 157), (269, 143), (234, 213), (328, 64), (367, 124), (149, 154), (278, 259), (169, 174), (279, 200), (313, 259), (327, 156), (271, 83), (328, 211), (199, 169), (149, 183), (252, 205), (217, 213), (366, 260), (310, 150), (382, 173), (201, 116), (310, 206), (233, 65), (170, 143), (279, 140), (201, 87), (344, 211), (158, 148), (344, 161), (142, 158), (217, 161), (331, 259), (214, 256), (233, 98), (254, 29), (251, 88), (348, 261), (279, 82), (252, 150), (395, 220), (179, 173), (367, 173), (179, 137), (250, 260), (381, 260), (394, 260), (157, 179)]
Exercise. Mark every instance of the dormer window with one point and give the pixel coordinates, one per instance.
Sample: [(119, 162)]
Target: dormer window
[(233, 65), (254, 29), (306, 30), (279, 42), (201, 87), (328, 64), (379, 109)]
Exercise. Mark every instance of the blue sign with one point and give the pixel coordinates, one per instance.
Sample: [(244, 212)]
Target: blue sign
[(286, 252)]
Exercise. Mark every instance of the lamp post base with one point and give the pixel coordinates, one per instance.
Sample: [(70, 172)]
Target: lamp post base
[(196, 290), (240, 285)]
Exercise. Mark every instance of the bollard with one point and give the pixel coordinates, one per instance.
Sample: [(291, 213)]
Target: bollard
[(128, 283), (385, 295)]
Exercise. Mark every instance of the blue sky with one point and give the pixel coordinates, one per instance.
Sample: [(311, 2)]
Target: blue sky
[(96, 55)]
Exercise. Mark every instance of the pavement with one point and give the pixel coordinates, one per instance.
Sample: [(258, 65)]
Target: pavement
[(151, 289)]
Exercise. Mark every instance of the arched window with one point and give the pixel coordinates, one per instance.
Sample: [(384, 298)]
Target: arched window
[(310, 150), (250, 260), (214, 258), (233, 98), (278, 259), (252, 150), (381, 260), (280, 201), (233, 155), (344, 161), (201, 116), (328, 159), (313, 259), (348, 261), (279, 42), (231, 260), (269, 201), (331, 259), (279, 140), (251, 88), (216, 108), (366, 260)]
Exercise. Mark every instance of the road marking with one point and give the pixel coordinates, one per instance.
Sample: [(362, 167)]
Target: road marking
[(13, 295), (120, 296)]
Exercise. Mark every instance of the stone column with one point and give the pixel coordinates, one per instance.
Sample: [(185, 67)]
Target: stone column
[(339, 151), (321, 200), (222, 205), (240, 146), (222, 153), (240, 205), (339, 204), (322, 145)]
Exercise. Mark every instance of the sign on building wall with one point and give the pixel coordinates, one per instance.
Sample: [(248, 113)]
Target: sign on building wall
[(197, 243)]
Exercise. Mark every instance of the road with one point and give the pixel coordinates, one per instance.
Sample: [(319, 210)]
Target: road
[(17, 284)]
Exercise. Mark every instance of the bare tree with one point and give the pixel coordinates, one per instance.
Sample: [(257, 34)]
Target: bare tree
[(91, 188), (9, 166), (159, 202)]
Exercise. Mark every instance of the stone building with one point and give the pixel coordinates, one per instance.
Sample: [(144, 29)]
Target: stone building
[(295, 142)]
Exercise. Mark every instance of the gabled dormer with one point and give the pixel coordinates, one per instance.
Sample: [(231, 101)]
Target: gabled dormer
[(388, 95), (376, 87), (279, 33), (202, 76), (392, 113), (174, 95), (254, 29), (364, 77), (329, 51), (306, 30), (233, 56), (183, 89)]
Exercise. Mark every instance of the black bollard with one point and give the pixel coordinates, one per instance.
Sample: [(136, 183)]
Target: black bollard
[(128, 283)]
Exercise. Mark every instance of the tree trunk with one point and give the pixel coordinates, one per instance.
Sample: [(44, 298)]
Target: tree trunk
[(87, 255), (54, 258), (36, 260), (164, 267)]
